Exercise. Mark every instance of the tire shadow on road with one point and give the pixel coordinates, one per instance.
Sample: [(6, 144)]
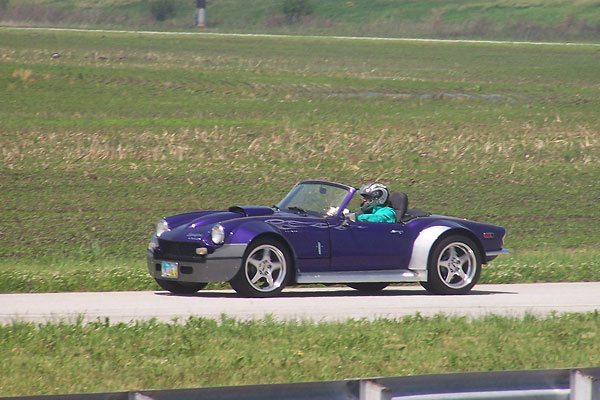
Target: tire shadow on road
[(331, 293)]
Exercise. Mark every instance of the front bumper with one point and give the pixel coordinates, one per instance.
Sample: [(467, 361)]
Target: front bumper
[(221, 266)]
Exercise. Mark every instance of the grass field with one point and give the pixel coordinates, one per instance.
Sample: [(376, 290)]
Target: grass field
[(102, 134), (73, 358)]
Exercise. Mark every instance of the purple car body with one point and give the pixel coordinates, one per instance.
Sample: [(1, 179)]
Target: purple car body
[(308, 238)]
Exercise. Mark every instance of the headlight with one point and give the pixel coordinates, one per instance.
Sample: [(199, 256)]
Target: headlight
[(153, 243), (217, 234), (162, 227)]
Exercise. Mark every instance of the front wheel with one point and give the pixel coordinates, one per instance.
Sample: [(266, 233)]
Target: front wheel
[(180, 287), (454, 266), (265, 269)]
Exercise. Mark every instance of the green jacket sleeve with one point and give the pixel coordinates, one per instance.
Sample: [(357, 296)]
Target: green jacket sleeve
[(384, 214)]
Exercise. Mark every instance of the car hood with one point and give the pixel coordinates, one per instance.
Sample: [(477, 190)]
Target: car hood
[(197, 226)]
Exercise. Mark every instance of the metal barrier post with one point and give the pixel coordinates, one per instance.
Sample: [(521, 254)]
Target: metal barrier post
[(584, 386), (371, 390)]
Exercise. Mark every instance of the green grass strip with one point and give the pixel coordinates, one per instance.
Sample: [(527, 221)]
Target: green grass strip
[(98, 357), (119, 274)]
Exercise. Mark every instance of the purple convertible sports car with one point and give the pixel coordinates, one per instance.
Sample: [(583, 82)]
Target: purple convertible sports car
[(308, 238)]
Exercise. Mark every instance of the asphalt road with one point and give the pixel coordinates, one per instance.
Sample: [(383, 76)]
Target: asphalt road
[(315, 304)]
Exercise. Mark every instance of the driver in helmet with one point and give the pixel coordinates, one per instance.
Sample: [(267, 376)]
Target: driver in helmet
[(375, 204)]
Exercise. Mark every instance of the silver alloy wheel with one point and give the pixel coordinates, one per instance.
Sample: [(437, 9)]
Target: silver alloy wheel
[(265, 268), (457, 265)]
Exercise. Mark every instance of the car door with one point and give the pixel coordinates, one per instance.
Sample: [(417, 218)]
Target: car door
[(309, 238), (357, 246)]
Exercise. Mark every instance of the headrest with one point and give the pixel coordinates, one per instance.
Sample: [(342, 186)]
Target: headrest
[(399, 202)]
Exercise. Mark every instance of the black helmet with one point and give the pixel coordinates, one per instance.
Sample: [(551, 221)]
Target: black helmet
[(373, 194)]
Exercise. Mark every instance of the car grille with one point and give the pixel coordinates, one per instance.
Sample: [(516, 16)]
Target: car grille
[(184, 251)]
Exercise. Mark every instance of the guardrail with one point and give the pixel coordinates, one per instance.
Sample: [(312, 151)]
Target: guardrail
[(558, 384)]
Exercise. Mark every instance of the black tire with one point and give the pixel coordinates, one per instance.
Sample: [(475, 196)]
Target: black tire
[(266, 269), (180, 287), (369, 287), (454, 266)]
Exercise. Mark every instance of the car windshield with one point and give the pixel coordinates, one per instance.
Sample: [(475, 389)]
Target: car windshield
[(314, 198)]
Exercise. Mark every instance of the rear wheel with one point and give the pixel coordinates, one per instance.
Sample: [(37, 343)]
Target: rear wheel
[(180, 287), (454, 266), (369, 286), (265, 269)]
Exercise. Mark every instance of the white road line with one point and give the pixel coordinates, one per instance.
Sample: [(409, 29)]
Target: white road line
[(265, 35)]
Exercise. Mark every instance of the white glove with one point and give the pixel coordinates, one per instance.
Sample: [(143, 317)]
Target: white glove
[(331, 211)]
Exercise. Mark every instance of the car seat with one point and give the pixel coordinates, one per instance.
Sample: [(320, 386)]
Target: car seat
[(399, 202)]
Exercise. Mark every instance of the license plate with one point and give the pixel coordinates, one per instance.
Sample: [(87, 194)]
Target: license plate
[(169, 270)]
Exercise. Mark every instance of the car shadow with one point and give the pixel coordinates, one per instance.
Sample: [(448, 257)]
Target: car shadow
[(342, 292)]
